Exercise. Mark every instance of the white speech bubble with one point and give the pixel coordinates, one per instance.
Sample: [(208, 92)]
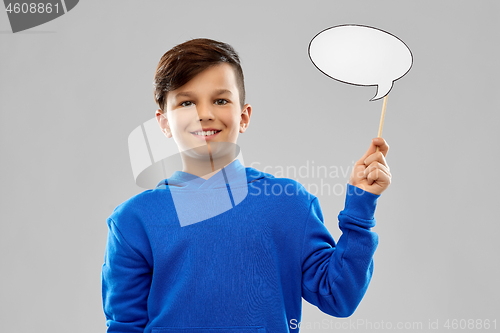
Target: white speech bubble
[(361, 55)]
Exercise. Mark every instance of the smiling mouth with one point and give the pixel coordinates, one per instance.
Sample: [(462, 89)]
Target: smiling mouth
[(205, 135)]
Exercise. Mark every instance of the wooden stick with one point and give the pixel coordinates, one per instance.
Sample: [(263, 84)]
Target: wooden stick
[(382, 119), (211, 158)]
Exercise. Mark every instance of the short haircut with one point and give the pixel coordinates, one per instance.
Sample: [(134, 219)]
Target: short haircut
[(184, 61)]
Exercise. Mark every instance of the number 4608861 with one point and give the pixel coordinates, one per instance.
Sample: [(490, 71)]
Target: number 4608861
[(32, 8)]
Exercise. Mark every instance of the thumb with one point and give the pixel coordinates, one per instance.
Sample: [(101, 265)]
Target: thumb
[(372, 149)]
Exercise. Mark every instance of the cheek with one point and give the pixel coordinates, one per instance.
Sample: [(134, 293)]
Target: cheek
[(178, 123), (235, 126), (233, 121)]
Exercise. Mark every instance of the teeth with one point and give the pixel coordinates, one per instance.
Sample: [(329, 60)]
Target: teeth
[(206, 133)]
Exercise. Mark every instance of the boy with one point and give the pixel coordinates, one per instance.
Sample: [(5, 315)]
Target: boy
[(244, 270)]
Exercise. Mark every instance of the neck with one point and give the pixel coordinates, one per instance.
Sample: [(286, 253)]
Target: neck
[(206, 165)]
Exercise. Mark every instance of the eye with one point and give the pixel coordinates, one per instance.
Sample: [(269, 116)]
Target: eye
[(186, 103), (221, 101)]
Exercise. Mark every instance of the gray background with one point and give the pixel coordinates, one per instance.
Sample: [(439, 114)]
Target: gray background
[(73, 89)]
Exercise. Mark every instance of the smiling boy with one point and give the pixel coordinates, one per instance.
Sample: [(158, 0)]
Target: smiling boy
[(247, 269), (209, 102)]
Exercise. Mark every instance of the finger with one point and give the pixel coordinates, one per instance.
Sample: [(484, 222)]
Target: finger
[(383, 149), (378, 176), (369, 152), (376, 157), (376, 165), (372, 176), (382, 145)]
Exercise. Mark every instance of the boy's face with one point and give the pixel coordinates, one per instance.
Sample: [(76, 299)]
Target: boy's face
[(209, 101)]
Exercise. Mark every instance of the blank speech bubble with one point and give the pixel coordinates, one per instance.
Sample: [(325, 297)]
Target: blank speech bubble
[(361, 55)]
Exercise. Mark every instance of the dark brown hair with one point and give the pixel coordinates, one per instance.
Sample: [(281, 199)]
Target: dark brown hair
[(184, 61)]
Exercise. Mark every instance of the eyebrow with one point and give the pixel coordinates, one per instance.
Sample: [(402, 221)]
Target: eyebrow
[(216, 92)]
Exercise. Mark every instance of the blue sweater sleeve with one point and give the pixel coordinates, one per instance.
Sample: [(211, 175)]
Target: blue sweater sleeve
[(335, 276), (126, 279)]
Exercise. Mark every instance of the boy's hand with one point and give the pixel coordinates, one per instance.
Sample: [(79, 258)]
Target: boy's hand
[(371, 173)]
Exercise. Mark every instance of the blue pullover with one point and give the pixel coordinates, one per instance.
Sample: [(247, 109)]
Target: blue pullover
[(244, 270)]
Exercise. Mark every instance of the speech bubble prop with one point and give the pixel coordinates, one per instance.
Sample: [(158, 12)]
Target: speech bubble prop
[(155, 157), (361, 55)]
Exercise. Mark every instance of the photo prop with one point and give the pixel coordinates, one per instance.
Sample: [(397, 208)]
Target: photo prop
[(363, 56)]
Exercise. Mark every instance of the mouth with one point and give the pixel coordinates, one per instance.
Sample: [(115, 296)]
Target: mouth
[(206, 135)]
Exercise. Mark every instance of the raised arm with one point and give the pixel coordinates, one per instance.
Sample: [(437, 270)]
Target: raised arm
[(335, 277)]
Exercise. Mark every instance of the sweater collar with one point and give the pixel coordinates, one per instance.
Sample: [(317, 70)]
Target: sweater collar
[(233, 174)]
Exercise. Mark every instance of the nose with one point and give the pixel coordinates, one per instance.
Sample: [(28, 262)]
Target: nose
[(205, 112)]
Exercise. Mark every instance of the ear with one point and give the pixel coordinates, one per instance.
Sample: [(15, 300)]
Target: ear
[(245, 117), (161, 117)]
